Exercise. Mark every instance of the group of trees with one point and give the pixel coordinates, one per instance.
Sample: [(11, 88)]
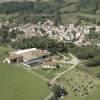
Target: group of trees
[(89, 6), (94, 35), (35, 7), (51, 9), (82, 52), (90, 54), (40, 42), (12, 7), (58, 91), (87, 19), (6, 35), (93, 62), (27, 18)]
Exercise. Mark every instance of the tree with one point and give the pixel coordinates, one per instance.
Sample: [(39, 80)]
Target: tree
[(57, 18), (58, 91), (46, 43), (58, 66)]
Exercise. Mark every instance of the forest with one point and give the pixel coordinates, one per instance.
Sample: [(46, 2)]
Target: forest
[(50, 7), (44, 42)]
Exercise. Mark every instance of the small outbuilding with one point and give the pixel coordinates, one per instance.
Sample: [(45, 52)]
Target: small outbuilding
[(49, 65)]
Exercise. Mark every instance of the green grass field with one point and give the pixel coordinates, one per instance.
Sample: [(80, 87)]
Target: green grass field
[(67, 18), (4, 50), (95, 70), (73, 17), (50, 74), (17, 84), (92, 70)]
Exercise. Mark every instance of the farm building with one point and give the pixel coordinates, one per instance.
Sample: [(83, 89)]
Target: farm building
[(26, 55)]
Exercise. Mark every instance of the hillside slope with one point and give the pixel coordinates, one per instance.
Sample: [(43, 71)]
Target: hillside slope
[(72, 11)]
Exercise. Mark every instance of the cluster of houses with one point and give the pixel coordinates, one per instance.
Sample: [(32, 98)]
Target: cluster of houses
[(66, 33), (72, 33), (32, 56)]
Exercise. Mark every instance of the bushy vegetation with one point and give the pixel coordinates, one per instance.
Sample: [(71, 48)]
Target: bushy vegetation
[(12, 7), (58, 92), (94, 35), (93, 62), (87, 19), (40, 42), (34, 7), (90, 54), (51, 8), (6, 35), (85, 52), (88, 6)]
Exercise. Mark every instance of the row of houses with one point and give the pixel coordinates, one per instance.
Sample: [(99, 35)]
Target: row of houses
[(62, 32)]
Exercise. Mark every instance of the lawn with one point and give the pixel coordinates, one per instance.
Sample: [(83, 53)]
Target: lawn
[(6, 17), (69, 18), (17, 84), (92, 70), (73, 17), (50, 73)]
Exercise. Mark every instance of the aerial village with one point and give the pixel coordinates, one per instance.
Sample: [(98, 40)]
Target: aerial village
[(49, 49), (34, 58), (66, 33)]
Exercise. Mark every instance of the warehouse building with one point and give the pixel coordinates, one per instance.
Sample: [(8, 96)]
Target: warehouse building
[(26, 55)]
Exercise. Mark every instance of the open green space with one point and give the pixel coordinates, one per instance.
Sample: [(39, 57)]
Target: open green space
[(92, 70), (80, 85), (4, 50), (18, 84), (8, 17), (67, 18), (73, 17), (51, 73), (95, 70)]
